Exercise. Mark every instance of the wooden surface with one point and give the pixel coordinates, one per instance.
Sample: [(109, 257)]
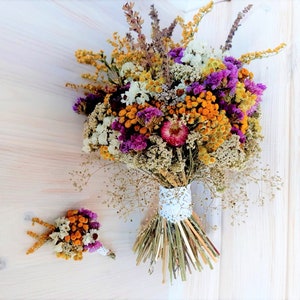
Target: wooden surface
[(40, 143)]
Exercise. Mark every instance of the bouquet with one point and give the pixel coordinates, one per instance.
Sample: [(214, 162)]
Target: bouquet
[(179, 112), (72, 235)]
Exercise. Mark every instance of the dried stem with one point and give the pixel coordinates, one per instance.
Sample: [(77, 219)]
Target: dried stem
[(180, 245), (234, 28)]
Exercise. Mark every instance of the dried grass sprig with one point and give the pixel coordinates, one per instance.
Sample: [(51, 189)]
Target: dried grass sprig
[(234, 28)]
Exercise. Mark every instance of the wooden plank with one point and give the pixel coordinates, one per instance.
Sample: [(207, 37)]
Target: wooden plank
[(293, 256), (253, 264)]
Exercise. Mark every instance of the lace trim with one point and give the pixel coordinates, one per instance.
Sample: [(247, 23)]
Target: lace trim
[(175, 204)]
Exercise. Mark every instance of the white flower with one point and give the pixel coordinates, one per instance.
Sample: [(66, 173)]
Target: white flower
[(128, 67), (91, 236), (62, 221), (86, 145), (102, 130), (102, 138), (107, 121), (113, 143), (94, 139), (58, 247), (197, 54), (136, 93), (54, 236)]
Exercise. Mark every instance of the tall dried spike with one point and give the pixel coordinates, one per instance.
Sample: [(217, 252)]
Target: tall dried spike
[(234, 28)]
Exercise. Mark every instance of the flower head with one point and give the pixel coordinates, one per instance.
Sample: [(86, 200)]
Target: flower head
[(237, 131), (149, 114), (92, 247), (86, 105), (88, 213), (174, 132), (177, 54), (137, 142)]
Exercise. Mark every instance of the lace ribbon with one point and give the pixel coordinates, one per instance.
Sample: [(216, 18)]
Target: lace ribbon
[(103, 251), (175, 204)]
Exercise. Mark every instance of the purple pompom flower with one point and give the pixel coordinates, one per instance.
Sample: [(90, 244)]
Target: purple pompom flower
[(93, 247), (148, 114), (177, 54), (88, 213)]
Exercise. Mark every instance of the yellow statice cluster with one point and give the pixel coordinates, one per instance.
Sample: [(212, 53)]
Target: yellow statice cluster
[(248, 57), (189, 29)]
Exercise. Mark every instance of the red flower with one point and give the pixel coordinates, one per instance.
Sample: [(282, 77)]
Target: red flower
[(174, 133)]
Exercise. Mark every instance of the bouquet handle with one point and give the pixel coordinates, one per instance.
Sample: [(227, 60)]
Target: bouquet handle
[(176, 236)]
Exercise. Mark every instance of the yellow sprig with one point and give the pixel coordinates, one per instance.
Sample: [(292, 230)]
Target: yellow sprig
[(248, 57), (189, 29)]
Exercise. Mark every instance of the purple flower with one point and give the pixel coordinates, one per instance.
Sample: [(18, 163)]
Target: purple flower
[(148, 114), (137, 142), (87, 105), (88, 213), (256, 89), (214, 79), (231, 110), (232, 66), (125, 147), (195, 88), (232, 60), (176, 54), (92, 247), (116, 125), (237, 131), (94, 225)]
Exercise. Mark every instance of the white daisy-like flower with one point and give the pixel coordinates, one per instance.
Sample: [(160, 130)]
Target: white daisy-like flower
[(62, 221), (137, 93), (55, 237), (91, 236)]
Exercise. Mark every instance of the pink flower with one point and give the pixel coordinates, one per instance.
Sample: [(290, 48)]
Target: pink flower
[(174, 133)]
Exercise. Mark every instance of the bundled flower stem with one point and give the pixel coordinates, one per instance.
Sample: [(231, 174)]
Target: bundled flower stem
[(181, 112), (72, 235), (180, 245)]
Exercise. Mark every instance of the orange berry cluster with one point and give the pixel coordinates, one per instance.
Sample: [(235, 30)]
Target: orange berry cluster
[(79, 226), (128, 117), (198, 109)]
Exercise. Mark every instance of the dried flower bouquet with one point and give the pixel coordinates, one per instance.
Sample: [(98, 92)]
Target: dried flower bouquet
[(179, 111)]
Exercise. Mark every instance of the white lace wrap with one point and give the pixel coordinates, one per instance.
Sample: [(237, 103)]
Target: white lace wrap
[(103, 251), (175, 204)]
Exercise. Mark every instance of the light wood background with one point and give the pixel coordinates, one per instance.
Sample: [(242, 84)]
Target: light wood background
[(40, 143)]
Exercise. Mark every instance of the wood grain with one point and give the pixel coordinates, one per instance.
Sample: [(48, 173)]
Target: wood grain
[(40, 143)]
